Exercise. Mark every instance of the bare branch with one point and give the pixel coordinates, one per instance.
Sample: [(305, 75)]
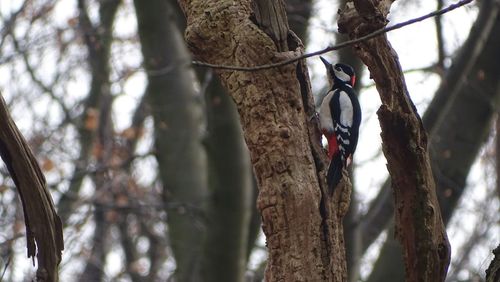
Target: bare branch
[(31, 71), (9, 23), (440, 37)]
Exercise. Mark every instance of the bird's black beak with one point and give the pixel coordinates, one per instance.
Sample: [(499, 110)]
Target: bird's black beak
[(327, 64)]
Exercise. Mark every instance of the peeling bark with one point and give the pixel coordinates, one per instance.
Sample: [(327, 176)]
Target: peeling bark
[(419, 226)]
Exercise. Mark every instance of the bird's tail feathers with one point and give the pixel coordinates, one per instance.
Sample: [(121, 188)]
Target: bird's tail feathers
[(334, 172)]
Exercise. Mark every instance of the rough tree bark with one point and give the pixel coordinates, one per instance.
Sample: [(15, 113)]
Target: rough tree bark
[(418, 219), (298, 13), (44, 235), (452, 149), (301, 223)]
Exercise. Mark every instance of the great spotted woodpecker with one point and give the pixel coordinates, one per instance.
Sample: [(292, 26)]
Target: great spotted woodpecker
[(340, 117)]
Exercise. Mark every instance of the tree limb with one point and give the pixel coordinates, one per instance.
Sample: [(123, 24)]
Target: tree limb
[(43, 226)]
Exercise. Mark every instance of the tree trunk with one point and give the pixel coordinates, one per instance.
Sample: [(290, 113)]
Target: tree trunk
[(453, 150), (299, 13), (418, 219), (230, 186), (301, 223), (177, 121)]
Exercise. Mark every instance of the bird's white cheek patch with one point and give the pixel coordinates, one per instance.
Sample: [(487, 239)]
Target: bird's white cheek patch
[(342, 76)]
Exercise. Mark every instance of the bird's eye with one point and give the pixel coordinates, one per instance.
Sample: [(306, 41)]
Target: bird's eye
[(338, 68)]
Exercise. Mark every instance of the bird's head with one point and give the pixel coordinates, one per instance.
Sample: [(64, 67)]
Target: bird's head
[(339, 73)]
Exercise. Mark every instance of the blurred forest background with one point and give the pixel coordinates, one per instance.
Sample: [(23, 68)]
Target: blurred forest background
[(147, 165)]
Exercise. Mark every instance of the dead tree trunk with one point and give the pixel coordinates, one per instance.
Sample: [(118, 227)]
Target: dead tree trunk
[(419, 226)]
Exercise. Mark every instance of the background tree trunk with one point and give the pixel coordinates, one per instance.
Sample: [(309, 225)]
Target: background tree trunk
[(98, 44), (230, 190), (178, 126)]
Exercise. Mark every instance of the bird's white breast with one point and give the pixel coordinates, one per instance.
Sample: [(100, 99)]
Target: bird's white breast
[(325, 117)]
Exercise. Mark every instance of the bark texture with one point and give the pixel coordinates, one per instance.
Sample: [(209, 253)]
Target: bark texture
[(44, 235), (303, 228), (419, 226), (177, 119)]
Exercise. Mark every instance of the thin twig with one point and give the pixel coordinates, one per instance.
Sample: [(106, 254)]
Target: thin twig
[(439, 36), (45, 88), (338, 46)]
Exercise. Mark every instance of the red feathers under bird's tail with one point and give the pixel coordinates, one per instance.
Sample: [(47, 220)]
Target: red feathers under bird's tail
[(335, 170), (333, 148)]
